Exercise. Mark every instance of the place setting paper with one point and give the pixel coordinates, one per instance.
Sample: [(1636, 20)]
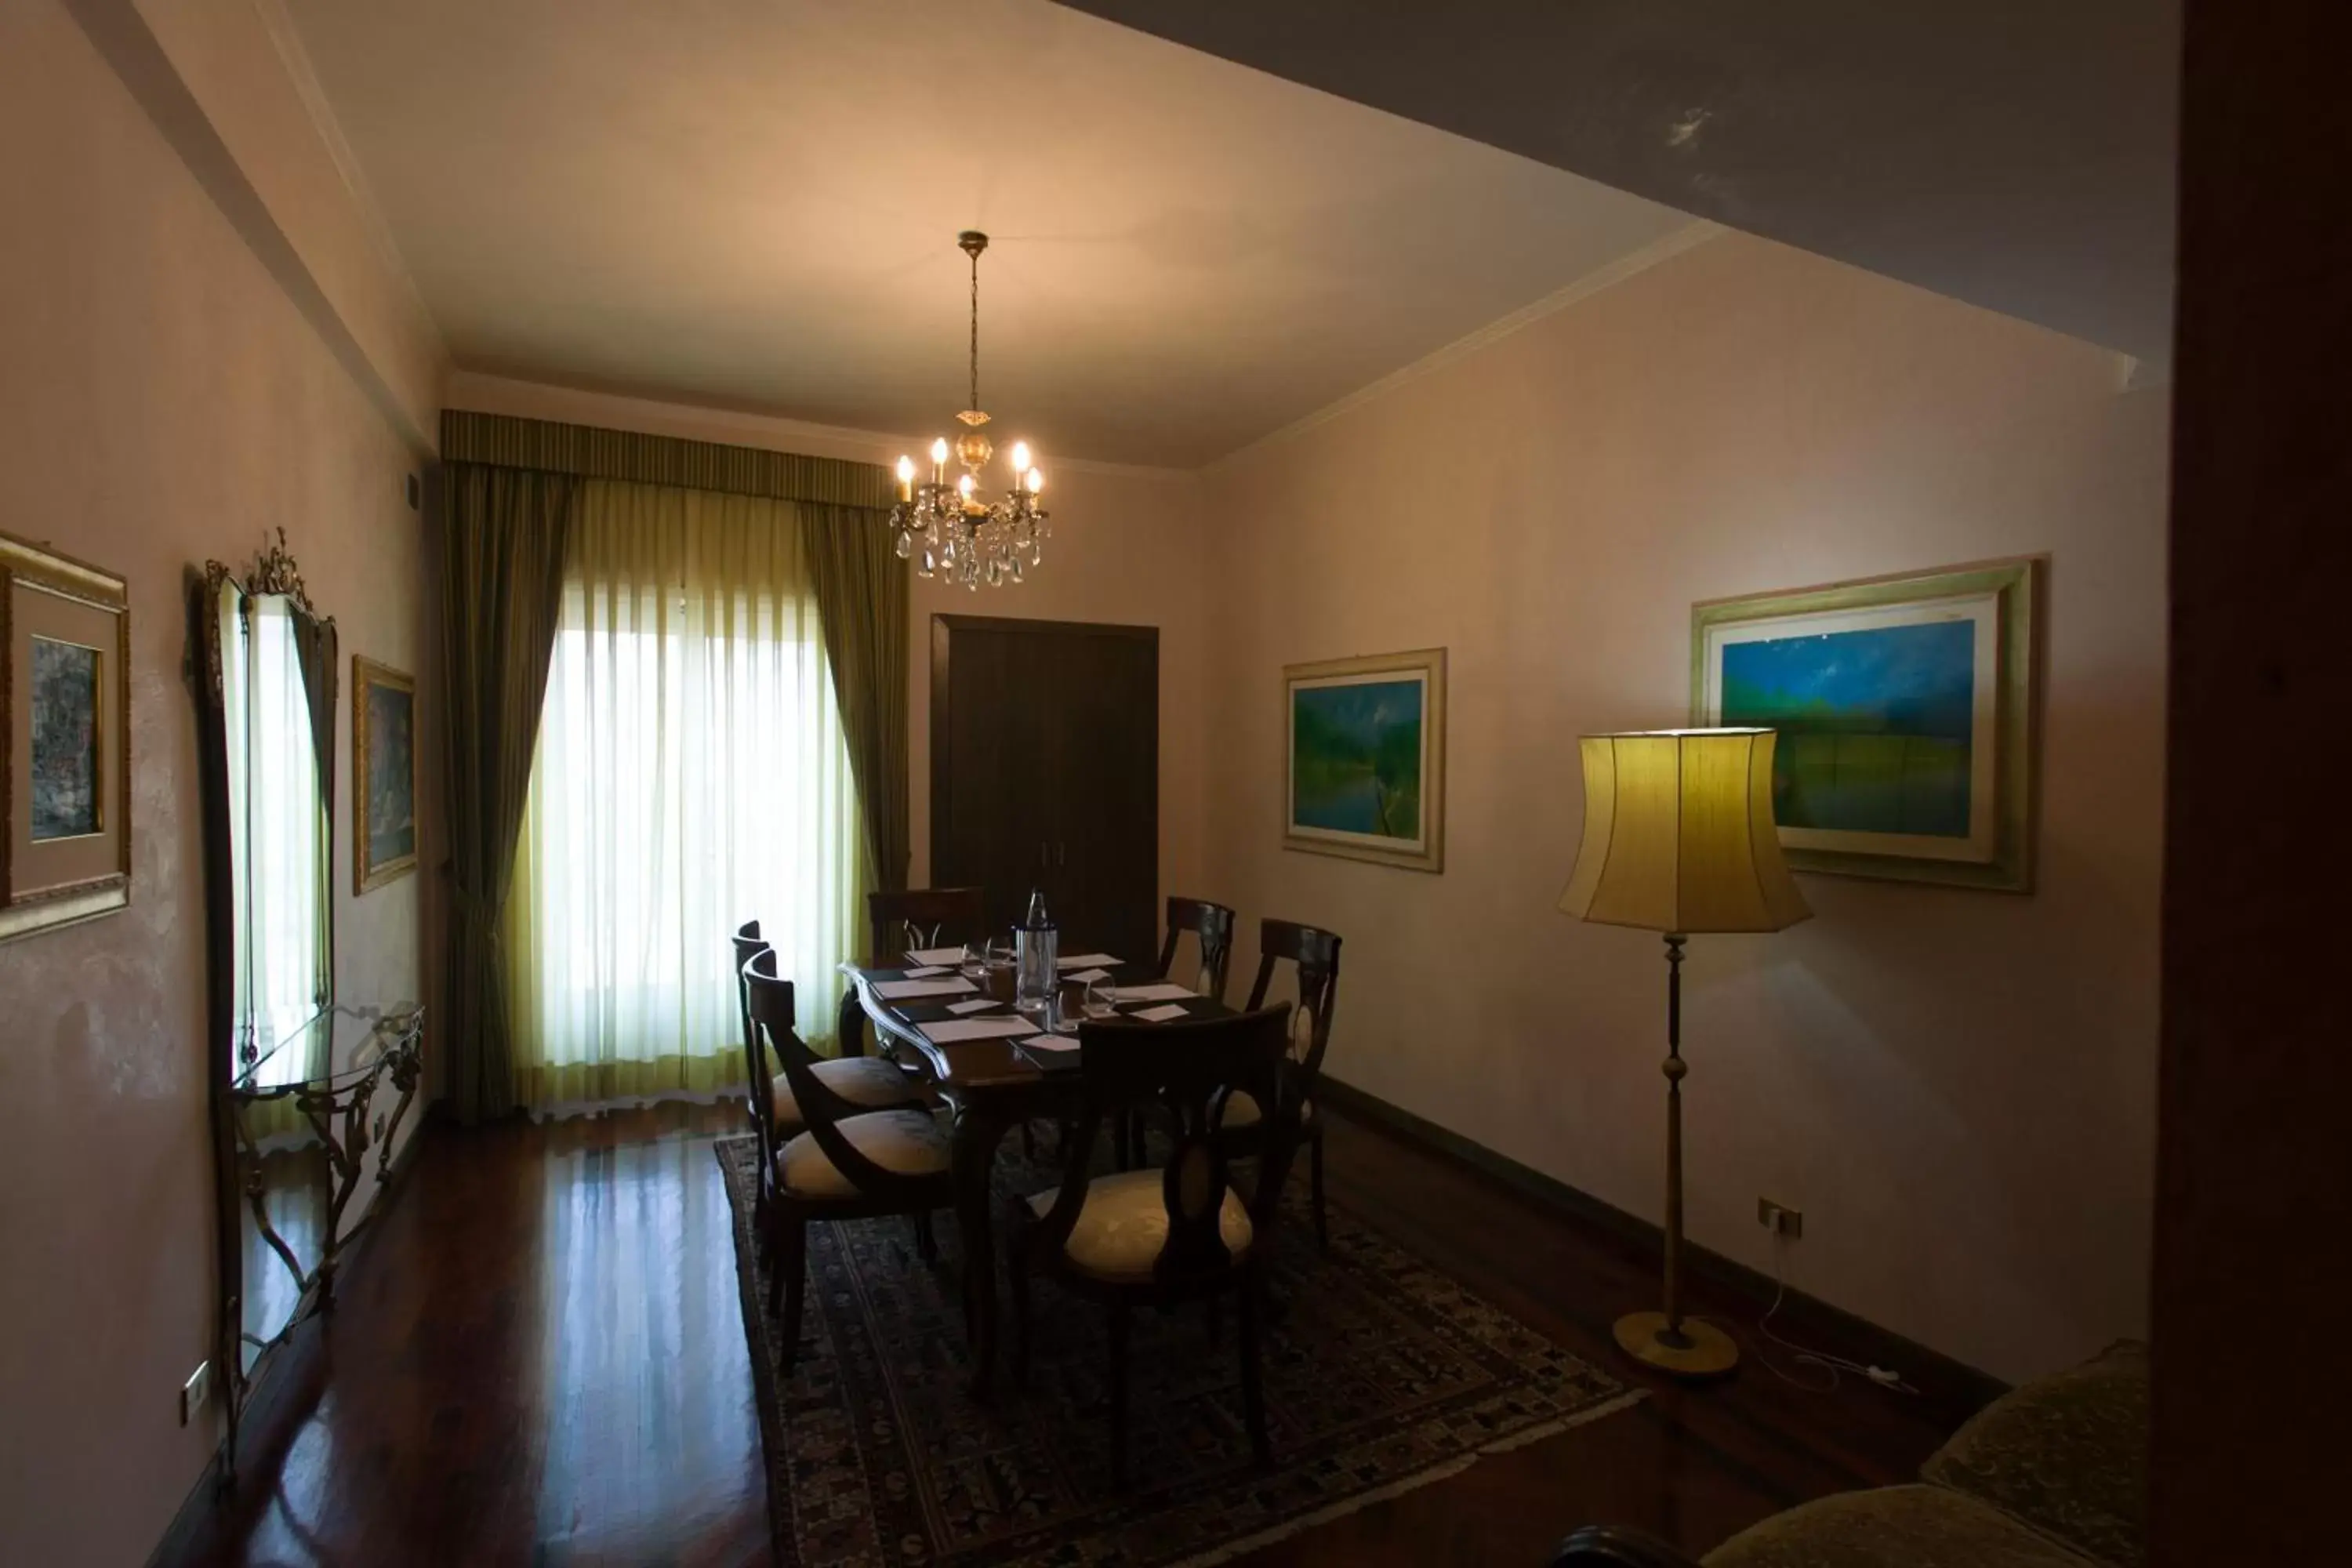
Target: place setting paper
[(1165, 991), (950, 1031), (924, 957), (908, 990)]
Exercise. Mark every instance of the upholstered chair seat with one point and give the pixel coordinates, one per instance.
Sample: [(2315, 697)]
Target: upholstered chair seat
[(1241, 1111), (869, 1082), (903, 1143), (1914, 1526), (1123, 1227)]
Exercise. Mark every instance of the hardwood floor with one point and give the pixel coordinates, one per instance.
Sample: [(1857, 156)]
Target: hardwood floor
[(540, 1358)]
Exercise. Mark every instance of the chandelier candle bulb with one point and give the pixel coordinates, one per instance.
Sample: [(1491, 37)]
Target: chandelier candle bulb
[(1019, 458), (1036, 480), (905, 478)]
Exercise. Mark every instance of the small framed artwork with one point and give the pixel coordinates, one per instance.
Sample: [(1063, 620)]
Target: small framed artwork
[(384, 761), (1365, 758), (65, 740), (1906, 711)]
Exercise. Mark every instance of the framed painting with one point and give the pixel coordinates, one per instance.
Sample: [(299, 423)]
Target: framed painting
[(65, 740), (1906, 711), (1365, 758), (383, 764)]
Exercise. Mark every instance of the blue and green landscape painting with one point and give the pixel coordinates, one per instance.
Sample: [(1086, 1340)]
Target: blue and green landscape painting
[(1876, 726), (1355, 755)]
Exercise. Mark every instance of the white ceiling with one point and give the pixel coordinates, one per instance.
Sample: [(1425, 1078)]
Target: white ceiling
[(754, 203), (2014, 154)]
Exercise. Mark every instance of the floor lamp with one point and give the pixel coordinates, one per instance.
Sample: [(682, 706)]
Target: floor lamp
[(1679, 839)]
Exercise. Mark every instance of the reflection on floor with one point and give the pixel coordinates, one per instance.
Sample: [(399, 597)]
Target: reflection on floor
[(540, 1358)]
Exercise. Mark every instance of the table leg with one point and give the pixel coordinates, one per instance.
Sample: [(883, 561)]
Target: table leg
[(976, 1136)]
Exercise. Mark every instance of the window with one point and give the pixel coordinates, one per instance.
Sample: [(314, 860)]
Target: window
[(691, 773)]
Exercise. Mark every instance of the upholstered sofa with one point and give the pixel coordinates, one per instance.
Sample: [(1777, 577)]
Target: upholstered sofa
[(2051, 1474)]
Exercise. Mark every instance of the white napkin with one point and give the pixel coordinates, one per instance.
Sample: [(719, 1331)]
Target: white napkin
[(928, 971), (1162, 992), (1051, 1043), (1084, 961), (1160, 1015), (927, 955), (906, 990), (1085, 976), (980, 1005), (955, 1030)]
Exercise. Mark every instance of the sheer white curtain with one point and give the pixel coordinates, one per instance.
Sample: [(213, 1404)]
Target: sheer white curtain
[(691, 775)]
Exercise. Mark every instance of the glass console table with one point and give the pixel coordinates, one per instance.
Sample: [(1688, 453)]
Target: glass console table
[(300, 1121)]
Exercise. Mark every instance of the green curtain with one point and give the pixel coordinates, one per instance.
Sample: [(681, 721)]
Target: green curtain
[(861, 597), (503, 539), (693, 771), (547, 446)]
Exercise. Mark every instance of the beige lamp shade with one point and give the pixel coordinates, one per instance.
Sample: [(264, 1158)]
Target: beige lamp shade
[(1679, 836)]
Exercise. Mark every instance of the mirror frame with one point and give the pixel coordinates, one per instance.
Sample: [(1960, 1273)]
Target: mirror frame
[(274, 572)]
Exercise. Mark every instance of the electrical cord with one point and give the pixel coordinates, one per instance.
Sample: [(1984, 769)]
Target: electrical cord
[(1835, 1366)]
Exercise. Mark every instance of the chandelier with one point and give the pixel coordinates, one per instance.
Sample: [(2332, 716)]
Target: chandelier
[(946, 528)]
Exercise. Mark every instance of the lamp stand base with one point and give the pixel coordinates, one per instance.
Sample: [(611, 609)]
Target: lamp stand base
[(1700, 1350)]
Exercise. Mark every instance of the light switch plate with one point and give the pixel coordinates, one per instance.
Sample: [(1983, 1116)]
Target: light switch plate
[(196, 1391)]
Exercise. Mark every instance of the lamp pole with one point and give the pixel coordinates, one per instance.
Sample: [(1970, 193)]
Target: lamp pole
[(1688, 1348), (1675, 1067)]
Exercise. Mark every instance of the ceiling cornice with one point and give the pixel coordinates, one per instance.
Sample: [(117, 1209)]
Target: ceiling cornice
[(304, 76)]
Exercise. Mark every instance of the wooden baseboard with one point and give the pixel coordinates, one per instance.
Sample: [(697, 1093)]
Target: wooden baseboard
[(1954, 1387), (285, 1395)]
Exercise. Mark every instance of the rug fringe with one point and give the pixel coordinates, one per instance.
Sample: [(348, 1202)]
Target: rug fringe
[(1445, 1471), (1537, 1434)]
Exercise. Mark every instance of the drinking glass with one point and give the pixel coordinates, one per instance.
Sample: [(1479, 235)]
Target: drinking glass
[(974, 963), (1101, 996)]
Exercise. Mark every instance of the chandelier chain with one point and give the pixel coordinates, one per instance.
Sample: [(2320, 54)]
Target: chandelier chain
[(975, 331)]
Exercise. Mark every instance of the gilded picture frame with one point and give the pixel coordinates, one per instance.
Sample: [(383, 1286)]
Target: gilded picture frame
[(383, 774), (1364, 758), (1908, 710), (65, 740)]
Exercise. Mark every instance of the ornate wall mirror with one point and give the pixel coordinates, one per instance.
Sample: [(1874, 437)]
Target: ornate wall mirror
[(293, 1074)]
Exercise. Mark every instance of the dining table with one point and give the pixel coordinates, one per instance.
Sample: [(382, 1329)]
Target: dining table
[(990, 1086)]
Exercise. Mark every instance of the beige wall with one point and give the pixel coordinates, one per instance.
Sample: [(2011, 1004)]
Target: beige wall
[(1126, 549), (160, 402), (1956, 1088)]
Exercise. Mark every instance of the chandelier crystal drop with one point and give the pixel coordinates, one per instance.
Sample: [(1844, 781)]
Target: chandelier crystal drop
[(943, 525)]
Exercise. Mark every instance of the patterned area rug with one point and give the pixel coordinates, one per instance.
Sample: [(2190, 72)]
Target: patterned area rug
[(1382, 1374)]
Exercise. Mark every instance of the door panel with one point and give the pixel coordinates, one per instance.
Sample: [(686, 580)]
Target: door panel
[(1044, 771)]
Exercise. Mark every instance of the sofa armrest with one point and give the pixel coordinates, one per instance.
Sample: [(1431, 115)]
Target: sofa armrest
[(1617, 1546)]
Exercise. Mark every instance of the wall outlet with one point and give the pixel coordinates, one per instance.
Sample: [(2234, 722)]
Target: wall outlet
[(1780, 1219), (196, 1391)]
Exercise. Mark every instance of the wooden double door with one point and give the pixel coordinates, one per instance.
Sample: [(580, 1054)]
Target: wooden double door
[(1046, 773)]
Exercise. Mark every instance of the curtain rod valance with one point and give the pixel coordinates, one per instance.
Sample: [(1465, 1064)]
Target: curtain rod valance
[(503, 440)]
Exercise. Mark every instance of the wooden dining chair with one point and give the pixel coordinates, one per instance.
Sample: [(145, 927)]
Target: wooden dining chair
[(1177, 1234), (1316, 956), (847, 1162), (1212, 926), (898, 923), (867, 1083)]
